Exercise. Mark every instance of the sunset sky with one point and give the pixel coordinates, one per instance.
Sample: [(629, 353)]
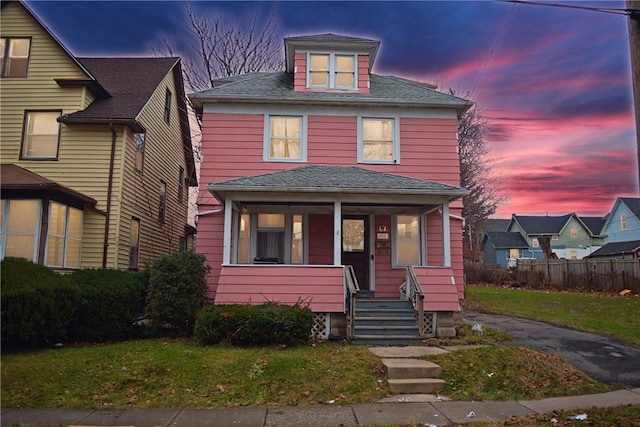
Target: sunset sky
[(554, 83)]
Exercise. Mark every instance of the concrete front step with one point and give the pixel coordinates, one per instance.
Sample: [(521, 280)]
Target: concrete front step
[(411, 368), (416, 385)]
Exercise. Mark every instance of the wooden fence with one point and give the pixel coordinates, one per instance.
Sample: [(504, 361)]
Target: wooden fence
[(607, 275)]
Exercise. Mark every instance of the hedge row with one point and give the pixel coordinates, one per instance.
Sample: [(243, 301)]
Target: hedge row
[(254, 325)]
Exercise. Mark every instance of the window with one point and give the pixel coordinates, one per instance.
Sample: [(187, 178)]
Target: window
[(14, 56), (573, 254), (623, 222), (162, 207), (20, 228), (407, 240), (180, 184), (353, 235), (285, 138), (514, 253), (271, 238), (555, 237), (331, 71), (140, 139), (64, 237), (167, 105), (40, 135), (574, 233), (535, 243), (377, 141), (134, 243)]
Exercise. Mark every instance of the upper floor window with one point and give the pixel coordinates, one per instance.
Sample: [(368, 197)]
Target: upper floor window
[(623, 222), (285, 138), (162, 206), (167, 105), (331, 71), (181, 184), (535, 243), (14, 56), (41, 135), (574, 233), (140, 138), (378, 140)]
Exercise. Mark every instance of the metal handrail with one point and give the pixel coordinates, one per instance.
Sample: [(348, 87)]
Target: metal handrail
[(415, 294), (351, 289)]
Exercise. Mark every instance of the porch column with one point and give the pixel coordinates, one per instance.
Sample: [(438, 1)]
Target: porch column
[(446, 235), (226, 242), (337, 234)]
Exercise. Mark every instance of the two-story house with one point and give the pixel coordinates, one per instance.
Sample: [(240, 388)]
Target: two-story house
[(571, 236), (621, 230), (325, 169), (96, 152)]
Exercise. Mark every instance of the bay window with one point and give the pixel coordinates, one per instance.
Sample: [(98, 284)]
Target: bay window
[(64, 236), (20, 228)]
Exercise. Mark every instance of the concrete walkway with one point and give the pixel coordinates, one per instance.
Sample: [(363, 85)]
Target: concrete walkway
[(438, 413)]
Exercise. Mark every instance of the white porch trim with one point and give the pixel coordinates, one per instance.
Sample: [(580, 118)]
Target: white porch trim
[(337, 237)]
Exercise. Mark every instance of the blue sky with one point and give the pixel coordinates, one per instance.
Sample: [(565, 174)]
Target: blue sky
[(554, 83)]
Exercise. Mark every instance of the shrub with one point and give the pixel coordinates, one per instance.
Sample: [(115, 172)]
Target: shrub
[(111, 302), (253, 325), (177, 290), (37, 303)]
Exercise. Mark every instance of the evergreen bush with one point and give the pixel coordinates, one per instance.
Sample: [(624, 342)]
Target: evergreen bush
[(177, 291)]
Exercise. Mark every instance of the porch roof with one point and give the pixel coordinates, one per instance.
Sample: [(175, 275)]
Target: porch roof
[(335, 180)]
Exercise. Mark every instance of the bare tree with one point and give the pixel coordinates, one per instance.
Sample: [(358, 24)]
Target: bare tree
[(475, 175)]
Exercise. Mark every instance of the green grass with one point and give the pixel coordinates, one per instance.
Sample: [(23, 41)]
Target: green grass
[(169, 373), (612, 315)]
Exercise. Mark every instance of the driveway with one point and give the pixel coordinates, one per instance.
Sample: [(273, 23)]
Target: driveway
[(601, 357)]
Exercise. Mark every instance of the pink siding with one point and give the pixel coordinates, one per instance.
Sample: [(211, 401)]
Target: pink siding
[(300, 76), (434, 239), (332, 140), (321, 286), (440, 294)]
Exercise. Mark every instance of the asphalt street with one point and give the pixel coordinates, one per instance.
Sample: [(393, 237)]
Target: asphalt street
[(601, 357)]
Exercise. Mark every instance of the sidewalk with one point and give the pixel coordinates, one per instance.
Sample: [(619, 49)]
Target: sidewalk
[(404, 410)]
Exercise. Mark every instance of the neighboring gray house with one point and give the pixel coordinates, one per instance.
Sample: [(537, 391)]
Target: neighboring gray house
[(623, 222), (571, 238), (499, 247)]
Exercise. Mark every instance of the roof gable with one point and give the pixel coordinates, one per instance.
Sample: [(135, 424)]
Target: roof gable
[(541, 225)]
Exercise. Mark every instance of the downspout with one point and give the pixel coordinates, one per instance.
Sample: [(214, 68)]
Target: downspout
[(109, 191)]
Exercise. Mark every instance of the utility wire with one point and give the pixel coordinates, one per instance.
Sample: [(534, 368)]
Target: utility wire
[(615, 11)]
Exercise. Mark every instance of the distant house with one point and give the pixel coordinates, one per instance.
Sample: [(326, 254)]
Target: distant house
[(570, 236), (96, 152), (623, 222), (325, 167), (618, 250), (501, 247)]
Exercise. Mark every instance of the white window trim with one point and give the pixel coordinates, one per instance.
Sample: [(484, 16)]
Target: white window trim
[(267, 139), (395, 157), (332, 71), (421, 243), (288, 235)]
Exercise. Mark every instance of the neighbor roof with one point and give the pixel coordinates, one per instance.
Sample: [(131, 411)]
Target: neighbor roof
[(278, 88), (593, 223), (633, 204), (541, 225), (617, 248), (15, 178), (336, 179), (129, 81), (507, 240)]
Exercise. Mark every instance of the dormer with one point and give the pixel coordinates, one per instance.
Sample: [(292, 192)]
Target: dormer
[(330, 62)]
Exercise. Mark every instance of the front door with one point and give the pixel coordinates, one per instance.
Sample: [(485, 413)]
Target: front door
[(355, 247)]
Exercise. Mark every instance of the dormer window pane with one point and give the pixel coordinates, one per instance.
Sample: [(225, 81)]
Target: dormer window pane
[(345, 71), (319, 70)]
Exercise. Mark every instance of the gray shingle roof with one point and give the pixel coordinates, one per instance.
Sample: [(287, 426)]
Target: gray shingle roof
[(278, 87), (336, 179), (542, 225), (507, 240), (328, 38), (593, 223), (633, 204), (616, 248)]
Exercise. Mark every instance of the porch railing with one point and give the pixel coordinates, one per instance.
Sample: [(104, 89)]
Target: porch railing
[(351, 288), (415, 294)]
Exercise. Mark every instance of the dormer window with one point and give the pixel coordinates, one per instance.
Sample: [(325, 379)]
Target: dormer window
[(331, 71)]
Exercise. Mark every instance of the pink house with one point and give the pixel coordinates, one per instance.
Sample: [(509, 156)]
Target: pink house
[(333, 186)]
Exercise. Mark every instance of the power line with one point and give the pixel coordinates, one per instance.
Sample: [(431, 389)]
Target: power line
[(612, 10)]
